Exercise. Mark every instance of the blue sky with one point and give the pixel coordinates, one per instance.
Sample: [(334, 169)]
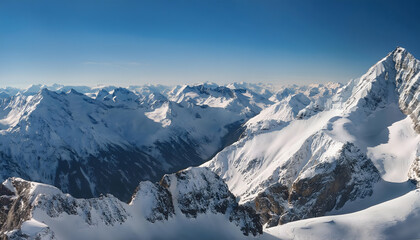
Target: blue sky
[(170, 42)]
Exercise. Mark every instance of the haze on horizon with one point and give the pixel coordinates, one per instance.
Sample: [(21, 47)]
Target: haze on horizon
[(172, 42)]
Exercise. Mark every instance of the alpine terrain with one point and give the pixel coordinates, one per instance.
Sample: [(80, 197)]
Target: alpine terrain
[(209, 161)]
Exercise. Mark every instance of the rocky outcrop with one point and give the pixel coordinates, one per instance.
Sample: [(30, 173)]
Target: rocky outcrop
[(407, 81), (414, 172), (22, 198), (272, 203), (15, 205), (324, 187), (160, 206), (198, 190), (350, 177)]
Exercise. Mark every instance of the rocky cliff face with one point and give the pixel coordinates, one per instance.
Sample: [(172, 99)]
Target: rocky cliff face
[(350, 177), (191, 192), (322, 188), (198, 190), (407, 80), (414, 172)]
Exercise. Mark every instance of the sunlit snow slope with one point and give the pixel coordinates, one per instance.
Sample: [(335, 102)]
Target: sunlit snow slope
[(394, 219), (316, 155)]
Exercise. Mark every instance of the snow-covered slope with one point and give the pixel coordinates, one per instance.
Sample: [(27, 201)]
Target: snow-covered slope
[(394, 219), (308, 156), (108, 139), (178, 204)]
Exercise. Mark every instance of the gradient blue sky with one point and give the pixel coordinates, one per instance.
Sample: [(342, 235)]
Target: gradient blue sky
[(169, 42)]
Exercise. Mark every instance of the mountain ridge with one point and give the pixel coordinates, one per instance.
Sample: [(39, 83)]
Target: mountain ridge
[(287, 156), (188, 194)]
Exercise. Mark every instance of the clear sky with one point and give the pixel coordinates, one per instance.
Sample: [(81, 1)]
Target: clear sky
[(186, 41)]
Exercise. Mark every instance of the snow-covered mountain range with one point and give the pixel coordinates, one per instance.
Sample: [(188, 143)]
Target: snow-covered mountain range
[(332, 153), (107, 140)]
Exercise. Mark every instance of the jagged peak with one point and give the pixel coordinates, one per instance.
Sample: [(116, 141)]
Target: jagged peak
[(390, 60), (19, 185), (121, 90), (101, 94), (398, 50), (73, 91), (123, 94), (385, 81), (205, 84), (45, 92), (398, 58), (34, 87)]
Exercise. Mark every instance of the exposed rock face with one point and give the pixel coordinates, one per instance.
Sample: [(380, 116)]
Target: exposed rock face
[(272, 203), (328, 186), (27, 198), (161, 206), (15, 206), (198, 190), (350, 177), (407, 81), (190, 192), (414, 172)]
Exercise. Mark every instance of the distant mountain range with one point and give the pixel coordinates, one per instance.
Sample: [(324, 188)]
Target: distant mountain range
[(107, 140)]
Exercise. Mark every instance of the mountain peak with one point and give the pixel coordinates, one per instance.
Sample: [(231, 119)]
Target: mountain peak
[(392, 74), (73, 91), (399, 49), (400, 54), (44, 91)]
